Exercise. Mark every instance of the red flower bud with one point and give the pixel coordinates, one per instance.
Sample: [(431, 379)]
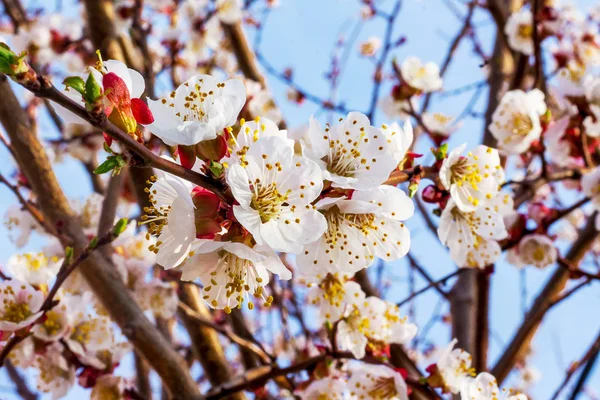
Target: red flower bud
[(187, 156), (207, 228), (212, 150), (431, 194), (206, 202), (141, 112)]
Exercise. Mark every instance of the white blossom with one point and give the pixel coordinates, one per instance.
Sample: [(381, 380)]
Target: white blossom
[(453, 366), (537, 250), (439, 124), (352, 154), (197, 110), (332, 295), (274, 190), (230, 11), (330, 388), (519, 31), (56, 375), (473, 236), (370, 47), (33, 268), (420, 76), (20, 305), (472, 179), (232, 272), (171, 217), (249, 133), (262, 104), (591, 123), (359, 229), (399, 139), (20, 224), (374, 322), (516, 120), (378, 382), (485, 387)]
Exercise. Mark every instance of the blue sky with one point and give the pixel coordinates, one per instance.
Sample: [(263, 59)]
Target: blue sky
[(301, 34)]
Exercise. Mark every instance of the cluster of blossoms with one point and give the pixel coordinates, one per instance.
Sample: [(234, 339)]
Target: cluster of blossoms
[(74, 340), (322, 197), (326, 196)]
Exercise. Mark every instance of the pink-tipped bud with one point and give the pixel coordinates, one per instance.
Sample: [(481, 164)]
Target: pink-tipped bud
[(187, 156), (212, 150), (432, 195), (141, 112), (206, 202), (207, 228)]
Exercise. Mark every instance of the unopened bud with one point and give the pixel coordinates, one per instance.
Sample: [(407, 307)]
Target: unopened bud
[(212, 150), (187, 156), (206, 202), (120, 226)]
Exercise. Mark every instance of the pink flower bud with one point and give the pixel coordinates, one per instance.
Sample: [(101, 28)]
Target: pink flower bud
[(206, 202)]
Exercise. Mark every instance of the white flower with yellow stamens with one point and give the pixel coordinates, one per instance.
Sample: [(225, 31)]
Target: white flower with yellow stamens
[(473, 236), (58, 321), (20, 223), (332, 294), (537, 250), (473, 179), (359, 229), (485, 387), (519, 31), (439, 124), (158, 297), (329, 388), (171, 218), (516, 120), (233, 273), (88, 336), (197, 110), (56, 375), (33, 268), (250, 132), (399, 139), (274, 190), (388, 326), (230, 11), (378, 382), (424, 77), (352, 154), (453, 367), (373, 322), (20, 305)]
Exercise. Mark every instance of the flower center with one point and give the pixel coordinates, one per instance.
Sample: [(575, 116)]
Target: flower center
[(521, 124), (267, 200), (463, 171), (198, 105), (333, 289), (539, 254), (52, 323), (525, 31), (343, 162), (420, 73), (383, 388), (238, 278), (82, 332), (15, 312)]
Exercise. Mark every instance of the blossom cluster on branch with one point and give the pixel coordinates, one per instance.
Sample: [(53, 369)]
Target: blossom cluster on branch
[(241, 209)]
